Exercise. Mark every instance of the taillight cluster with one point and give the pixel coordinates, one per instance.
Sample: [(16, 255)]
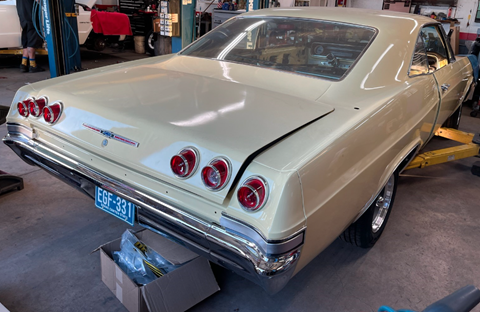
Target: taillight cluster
[(216, 174), (40, 107), (185, 163), (35, 107), (252, 194)]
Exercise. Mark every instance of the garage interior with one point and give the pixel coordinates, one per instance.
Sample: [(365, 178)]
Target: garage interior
[(49, 232)]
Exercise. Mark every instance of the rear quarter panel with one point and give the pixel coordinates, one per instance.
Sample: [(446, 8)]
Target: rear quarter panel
[(345, 158)]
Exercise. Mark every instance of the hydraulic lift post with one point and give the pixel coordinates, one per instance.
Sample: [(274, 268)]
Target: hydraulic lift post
[(61, 35)]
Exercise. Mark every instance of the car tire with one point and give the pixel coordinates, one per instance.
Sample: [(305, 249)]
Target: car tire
[(99, 44), (453, 121), (150, 43), (366, 231)]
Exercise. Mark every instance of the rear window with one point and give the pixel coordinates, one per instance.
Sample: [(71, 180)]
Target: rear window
[(318, 48)]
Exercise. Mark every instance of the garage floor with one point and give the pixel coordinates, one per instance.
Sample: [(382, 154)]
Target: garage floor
[(429, 248)]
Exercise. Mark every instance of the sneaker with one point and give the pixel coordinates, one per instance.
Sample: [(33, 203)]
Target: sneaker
[(36, 69), (23, 68)]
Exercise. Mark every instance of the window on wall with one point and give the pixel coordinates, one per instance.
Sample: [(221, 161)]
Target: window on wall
[(477, 16)]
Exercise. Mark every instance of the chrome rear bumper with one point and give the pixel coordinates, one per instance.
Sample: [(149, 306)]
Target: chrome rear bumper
[(231, 244)]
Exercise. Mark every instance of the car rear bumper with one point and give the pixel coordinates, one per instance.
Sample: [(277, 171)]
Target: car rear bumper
[(231, 244)]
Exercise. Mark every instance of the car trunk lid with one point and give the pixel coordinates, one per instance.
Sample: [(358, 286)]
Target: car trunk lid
[(165, 110)]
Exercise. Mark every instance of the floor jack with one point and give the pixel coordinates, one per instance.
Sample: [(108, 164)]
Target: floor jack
[(470, 147), (8, 182)]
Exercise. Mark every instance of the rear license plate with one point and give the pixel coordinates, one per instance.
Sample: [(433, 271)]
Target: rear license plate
[(114, 205)]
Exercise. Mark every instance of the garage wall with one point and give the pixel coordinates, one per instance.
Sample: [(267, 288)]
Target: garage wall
[(110, 2), (367, 4), (464, 8)]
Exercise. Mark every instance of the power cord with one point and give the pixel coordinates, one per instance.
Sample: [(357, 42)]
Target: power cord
[(37, 16), (36, 13)]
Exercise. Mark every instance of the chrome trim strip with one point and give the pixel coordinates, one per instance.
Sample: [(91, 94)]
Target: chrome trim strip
[(20, 129), (237, 227), (370, 201), (111, 135), (397, 167)]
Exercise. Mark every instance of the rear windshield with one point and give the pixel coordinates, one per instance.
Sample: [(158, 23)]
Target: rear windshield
[(312, 47)]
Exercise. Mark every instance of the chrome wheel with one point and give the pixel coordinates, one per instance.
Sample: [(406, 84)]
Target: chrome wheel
[(151, 42), (382, 205)]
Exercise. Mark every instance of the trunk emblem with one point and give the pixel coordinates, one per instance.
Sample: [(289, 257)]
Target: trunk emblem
[(111, 135)]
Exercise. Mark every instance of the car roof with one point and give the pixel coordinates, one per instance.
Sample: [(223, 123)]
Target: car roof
[(379, 19)]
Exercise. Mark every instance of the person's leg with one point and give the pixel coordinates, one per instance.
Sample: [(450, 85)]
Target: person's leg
[(24, 11), (34, 41), (24, 65), (31, 56)]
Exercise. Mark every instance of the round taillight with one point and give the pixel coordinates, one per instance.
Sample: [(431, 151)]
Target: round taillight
[(253, 193), (23, 108), (51, 113), (35, 107), (216, 175), (184, 163)]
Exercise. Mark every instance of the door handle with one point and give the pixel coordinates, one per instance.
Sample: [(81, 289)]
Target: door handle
[(445, 87)]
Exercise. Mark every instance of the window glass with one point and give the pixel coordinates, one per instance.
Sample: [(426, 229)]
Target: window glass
[(436, 52), (419, 60), (313, 47)]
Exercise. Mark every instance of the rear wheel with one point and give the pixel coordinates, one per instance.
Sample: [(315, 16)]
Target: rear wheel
[(96, 42), (366, 231), (454, 121), (150, 43)]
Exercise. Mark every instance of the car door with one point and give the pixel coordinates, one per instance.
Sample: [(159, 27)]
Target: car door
[(423, 95), (446, 70)]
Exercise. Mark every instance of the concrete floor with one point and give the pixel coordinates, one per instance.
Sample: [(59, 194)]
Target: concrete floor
[(429, 248)]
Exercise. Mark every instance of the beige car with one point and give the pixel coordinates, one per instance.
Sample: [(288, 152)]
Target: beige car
[(261, 142)]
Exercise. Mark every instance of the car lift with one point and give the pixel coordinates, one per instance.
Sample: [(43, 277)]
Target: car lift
[(60, 32), (61, 35), (470, 148), (20, 52)]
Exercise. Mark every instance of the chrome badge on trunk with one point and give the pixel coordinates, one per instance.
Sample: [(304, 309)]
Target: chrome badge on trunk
[(111, 135)]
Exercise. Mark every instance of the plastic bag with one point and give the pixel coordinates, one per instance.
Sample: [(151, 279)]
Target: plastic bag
[(141, 263)]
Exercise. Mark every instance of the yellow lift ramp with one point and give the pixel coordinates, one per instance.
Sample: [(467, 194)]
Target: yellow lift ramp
[(20, 51), (470, 147)]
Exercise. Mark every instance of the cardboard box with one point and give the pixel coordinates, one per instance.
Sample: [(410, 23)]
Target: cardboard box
[(156, 25), (455, 39), (178, 290)]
